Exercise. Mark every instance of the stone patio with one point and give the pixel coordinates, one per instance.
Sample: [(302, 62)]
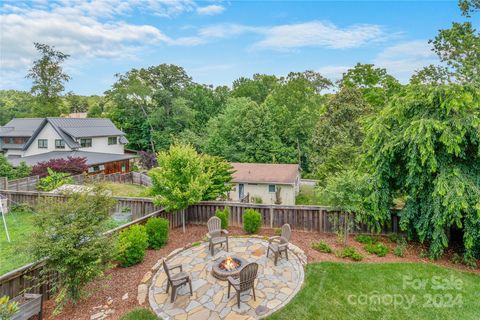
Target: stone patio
[(275, 286)]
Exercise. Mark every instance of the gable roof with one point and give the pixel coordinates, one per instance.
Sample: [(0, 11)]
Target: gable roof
[(265, 173), (21, 127), (71, 128)]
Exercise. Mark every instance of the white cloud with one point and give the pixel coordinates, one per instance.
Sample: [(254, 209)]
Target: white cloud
[(82, 29), (210, 10), (403, 59), (308, 34), (320, 34)]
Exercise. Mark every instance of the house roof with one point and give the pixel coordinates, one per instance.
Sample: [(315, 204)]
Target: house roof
[(265, 173), (68, 128), (93, 158), (21, 127)]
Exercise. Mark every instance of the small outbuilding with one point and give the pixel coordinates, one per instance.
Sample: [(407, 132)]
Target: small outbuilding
[(265, 183)]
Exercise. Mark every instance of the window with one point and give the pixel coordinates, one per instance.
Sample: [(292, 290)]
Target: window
[(11, 140), (86, 142), (59, 144), (271, 188), (112, 140), (42, 143)]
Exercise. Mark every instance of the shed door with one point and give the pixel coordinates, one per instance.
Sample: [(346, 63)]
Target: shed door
[(241, 191)]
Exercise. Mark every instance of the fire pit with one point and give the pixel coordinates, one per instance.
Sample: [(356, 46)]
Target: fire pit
[(225, 267)]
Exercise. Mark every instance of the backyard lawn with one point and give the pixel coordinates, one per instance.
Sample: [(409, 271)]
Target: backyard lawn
[(126, 189), (405, 291), (308, 195), (20, 227)]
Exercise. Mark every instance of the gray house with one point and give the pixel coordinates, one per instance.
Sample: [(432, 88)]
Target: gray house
[(34, 140)]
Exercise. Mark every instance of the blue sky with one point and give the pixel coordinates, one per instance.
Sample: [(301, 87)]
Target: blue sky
[(219, 41)]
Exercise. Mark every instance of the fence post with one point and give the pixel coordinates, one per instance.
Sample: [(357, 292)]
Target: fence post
[(271, 217)]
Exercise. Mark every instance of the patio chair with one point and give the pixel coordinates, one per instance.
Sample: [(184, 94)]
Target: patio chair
[(215, 235), (244, 282), (279, 244), (176, 280)]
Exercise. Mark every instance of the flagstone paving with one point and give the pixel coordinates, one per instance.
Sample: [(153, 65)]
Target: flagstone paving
[(275, 286)]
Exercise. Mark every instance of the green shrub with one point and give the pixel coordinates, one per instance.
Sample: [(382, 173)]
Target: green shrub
[(378, 249), (350, 252), (157, 231), (252, 221), (401, 247), (256, 199), (322, 246), (139, 314), (54, 180), (7, 308), (223, 215), (393, 237), (366, 239), (131, 245), (277, 231)]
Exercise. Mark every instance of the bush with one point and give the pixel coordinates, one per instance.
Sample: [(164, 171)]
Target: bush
[(378, 249), (252, 221), (256, 199), (223, 215), (54, 180), (139, 314), (71, 165), (401, 247), (277, 231), (393, 237), (157, 231), (350, 252), (131, 245), (322, 246), (366, 239), (7, 308), (71, 235)]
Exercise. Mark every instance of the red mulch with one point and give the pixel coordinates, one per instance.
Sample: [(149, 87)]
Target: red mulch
[(119, 281)]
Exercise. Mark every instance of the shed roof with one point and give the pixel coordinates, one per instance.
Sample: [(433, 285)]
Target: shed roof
[(265, 173), (93, 158)]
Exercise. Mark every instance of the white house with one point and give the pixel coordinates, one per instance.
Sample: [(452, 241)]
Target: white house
[(34, 140), (272, 183)]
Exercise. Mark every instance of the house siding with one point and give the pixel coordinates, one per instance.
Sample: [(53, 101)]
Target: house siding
[(287, 193), (48, 133)]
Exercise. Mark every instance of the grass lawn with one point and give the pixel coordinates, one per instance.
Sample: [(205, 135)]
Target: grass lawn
[(348, 291), (14, 254), (126, 189), (307, 196), (139, 314), (20, 226)]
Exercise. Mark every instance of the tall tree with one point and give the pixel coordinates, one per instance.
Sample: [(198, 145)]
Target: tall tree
[(257, 88), (48, 80), (425, 147), (338, 135), (15, 104), (376, 85)]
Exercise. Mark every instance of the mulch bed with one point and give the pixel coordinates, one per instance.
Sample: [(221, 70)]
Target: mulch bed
[(119, 281)]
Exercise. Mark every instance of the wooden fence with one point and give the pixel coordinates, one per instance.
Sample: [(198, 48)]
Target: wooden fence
[(129, 177), (302, 218), (23, 184)]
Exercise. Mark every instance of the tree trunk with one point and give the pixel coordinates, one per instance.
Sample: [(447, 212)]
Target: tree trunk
[(183, 220)]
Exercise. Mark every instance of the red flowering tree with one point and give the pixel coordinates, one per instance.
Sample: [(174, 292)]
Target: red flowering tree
[(72, 165)]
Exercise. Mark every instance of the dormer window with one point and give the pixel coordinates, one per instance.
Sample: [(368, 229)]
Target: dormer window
[(86, 142), (112, 140), (59, 144)]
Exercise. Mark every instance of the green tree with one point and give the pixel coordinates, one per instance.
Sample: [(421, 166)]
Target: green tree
[(338, 136), (257, 88), (425, 147), (432, 75), (220, 176), (10, 172), (48, 80), (15, 104), (179, 180), (376, 85), (246, 132), (70, 235)]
